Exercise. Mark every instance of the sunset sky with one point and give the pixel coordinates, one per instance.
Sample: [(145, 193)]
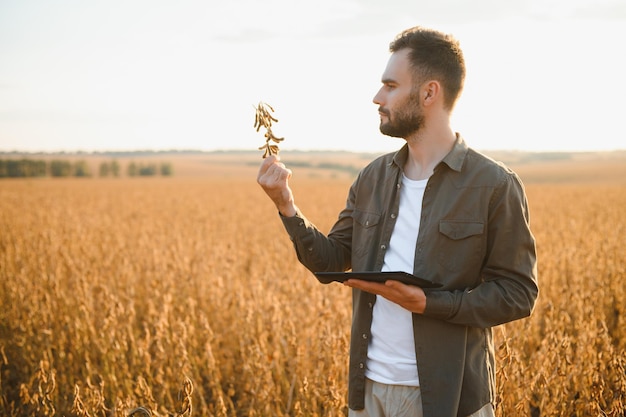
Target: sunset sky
[(543, 75)]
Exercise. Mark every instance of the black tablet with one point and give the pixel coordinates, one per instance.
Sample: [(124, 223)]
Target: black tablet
[(404, 277)]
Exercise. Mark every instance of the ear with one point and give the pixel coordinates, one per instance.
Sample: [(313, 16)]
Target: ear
[(431, 92)]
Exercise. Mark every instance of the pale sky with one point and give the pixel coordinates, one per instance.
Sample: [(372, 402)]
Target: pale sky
[(543, 75)]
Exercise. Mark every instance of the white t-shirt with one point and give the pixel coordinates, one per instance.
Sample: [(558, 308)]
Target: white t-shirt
[(391, 353)]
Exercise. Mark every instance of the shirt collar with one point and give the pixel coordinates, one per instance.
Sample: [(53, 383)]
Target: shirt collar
[(455, 158)]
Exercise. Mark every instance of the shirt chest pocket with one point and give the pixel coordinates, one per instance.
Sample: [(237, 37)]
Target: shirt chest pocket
[(457, 230), (365, 230), (365, 219), (460, 244)]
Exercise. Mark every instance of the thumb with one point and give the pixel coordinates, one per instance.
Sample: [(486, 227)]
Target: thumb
[(396, 285)]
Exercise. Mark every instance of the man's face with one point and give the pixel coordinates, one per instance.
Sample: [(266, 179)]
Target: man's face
[(400, 111)]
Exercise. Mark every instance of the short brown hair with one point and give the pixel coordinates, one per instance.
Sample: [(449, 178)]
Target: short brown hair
[(434, 55)]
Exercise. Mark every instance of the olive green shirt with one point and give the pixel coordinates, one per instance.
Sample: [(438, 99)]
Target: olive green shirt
[(474, 239)]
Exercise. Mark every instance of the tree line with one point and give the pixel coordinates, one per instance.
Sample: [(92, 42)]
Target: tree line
[(22, 168)]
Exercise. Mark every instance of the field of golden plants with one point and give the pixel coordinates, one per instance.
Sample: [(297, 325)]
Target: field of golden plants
[(183, 296)]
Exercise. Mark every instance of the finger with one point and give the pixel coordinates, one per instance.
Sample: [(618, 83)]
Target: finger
[(277, 171), (371, 287), (402, 291), (267, 164), (286, 173), (275, 178), (396, 285)]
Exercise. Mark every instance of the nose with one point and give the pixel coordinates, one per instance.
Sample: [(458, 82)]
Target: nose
[(377, 98)]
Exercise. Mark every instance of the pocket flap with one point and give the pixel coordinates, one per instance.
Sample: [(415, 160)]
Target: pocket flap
[(457, 229), (366, 219)]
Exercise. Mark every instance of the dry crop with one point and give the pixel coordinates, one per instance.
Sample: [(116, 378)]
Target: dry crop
[(117, 294), (263, 118)]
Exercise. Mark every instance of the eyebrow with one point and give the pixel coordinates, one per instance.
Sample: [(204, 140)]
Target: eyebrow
[(389, 81)]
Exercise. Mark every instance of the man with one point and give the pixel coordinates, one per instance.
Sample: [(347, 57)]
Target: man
[(440, 211)]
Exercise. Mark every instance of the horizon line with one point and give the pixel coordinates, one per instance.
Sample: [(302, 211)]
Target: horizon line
[(295, 150)]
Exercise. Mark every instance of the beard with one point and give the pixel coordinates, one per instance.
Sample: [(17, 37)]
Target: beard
[(403, 123)]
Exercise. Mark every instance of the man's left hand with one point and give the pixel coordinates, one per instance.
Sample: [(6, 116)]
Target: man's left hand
[(410, 297)]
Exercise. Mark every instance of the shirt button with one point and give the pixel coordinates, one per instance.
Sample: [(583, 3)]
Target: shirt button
[(361, 365), (310, 249), (301, 224), (383, 247), (393, 215), (364, 336), (370, 305)]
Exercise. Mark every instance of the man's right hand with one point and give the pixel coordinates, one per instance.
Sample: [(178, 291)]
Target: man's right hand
[(273, 177)]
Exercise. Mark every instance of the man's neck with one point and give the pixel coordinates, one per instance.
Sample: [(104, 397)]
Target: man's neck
[(426, 150)]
